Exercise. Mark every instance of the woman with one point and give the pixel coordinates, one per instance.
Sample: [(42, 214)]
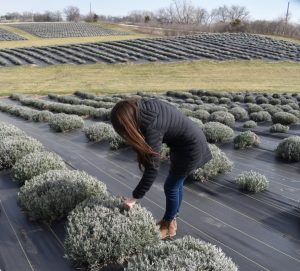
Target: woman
[(145, 125)]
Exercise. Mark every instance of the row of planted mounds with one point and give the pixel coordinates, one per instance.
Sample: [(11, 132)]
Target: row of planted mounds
[(225, 46), (6, 35), (65, 30), (99, 231), (58, 122)]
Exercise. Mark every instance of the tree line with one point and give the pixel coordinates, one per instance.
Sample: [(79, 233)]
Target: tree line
[(70, 14)]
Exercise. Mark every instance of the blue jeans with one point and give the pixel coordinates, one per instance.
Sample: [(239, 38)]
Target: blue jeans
[(173, 188)]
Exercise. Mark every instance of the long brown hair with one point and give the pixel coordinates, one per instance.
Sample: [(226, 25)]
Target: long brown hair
[(124, 118)]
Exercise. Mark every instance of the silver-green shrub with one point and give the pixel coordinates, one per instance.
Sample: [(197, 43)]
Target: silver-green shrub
[(222, 117), (63, 122), (261, 116), (164, 152), (100, 232), (200, 114), (289, 148), (252, 181), (254, 108), (198, 122), (9, 130), (217, 132), (34, 164), (43, 116), (239, 113), (52, 195), (13, 148), (116, 142), (217, 165), (250, 124), (279, 128), (246, 139), (99, 132), (186, 254), (284, 118)]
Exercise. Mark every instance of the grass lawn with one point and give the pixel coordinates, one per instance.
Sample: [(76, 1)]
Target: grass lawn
[(103, 78), (37, 41)]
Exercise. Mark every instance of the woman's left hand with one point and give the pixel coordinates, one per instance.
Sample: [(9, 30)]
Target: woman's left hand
[(129, 203)]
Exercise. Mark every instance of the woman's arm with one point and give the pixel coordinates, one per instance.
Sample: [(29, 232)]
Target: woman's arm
[(154, 139)]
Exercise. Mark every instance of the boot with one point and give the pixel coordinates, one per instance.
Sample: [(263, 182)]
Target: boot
[(173, 228), (167, 228)]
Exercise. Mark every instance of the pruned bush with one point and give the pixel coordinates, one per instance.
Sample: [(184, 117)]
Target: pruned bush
[(238, 98), (34, 164), (43, 116), (63, 122), (117, 142), (252, 181), (13, 148), (213, 100), (215, 108), (295, 112), (224, 100), (198, 122), (285, 107), (273, 110), (217, 165), (200, 114), (183, 254), (217, 132), (101, 114), (252, 108), (223, 117), (261, 100), (100, 232), (7, 130), (284, 118), (250, 124), (249, 99), (239, 113), (261, 116), (279, 128), (164, 152), (289, 148), (246, 139), (99, 132), (52, 195), (274, 101)]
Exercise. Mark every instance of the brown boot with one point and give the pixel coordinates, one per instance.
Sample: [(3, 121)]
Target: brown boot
[(163, 228), (172, 228), (167, 228)]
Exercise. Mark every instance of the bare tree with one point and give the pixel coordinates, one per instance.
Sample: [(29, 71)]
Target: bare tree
[(72, 13), (201, 16), (237, 13), (221, 14)]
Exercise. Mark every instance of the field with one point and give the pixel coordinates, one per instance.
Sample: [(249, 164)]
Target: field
[(9, 36), (32, 40), (65, 30), (101, 78), (219, 47), (259, 231)]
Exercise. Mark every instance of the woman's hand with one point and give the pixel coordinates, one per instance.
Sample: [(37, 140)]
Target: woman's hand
[(129, 203)]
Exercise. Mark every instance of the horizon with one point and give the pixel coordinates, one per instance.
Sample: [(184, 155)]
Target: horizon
[(259, 10)]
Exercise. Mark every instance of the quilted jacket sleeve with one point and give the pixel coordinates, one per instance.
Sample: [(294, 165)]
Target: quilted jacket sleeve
[(154, 138)]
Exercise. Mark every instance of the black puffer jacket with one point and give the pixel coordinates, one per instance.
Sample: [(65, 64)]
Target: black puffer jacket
[(160, 123)]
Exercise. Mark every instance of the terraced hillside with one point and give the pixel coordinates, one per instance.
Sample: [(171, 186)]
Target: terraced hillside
[(9, 36), (203, 46), (65, 30)]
